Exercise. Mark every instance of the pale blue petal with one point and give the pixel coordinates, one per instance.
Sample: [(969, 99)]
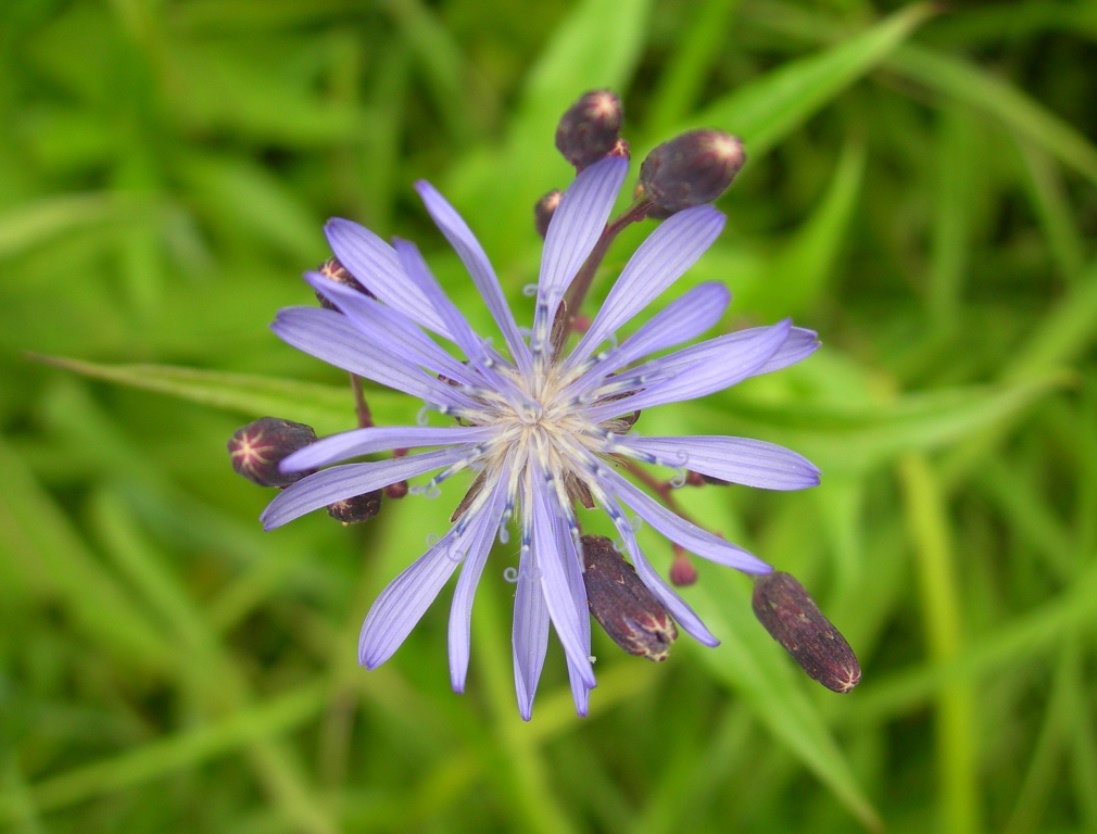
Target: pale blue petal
[(329, 336), (661, 260), (580, 690), (740, 460), (684, 318), (374, 263), (476, 261), (342, 482), (531, 631), (576, 225), (698, 379), (404, 601), (351, 444), (390, 330), (420, 275), (678, 530), (799, 344), (481, 531), (552, 548), (475, 348)]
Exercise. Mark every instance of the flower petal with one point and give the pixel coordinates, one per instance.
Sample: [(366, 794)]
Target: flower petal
[(799, 344), (402, 604), (390, 330), (482, 529), (342, 482), (577, 223), (531, 631), (329, 336), (678, 530), (679, 610), (740, 460), (404, 601), (697, 379), (350, 444), (553, 545), (661, 260), (577, 672), (475, 348), (684, 318), (374, 263), (472, 255), (411, 260)]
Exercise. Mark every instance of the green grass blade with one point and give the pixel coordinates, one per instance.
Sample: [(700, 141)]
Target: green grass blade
[(979, 89), (766, 110), (326, 408)]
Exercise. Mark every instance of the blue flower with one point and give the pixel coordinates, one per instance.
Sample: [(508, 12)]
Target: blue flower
[(542, 428)]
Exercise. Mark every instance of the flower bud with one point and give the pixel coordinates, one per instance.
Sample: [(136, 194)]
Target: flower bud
[(794, 620), (331, 268), (544, 209), (682, 572), (359, 508), (588, 130), (258, 448), (690, 170), (622, 603)]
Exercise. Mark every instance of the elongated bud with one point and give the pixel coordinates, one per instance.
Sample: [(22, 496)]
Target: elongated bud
[(622, 604), (544, 209), (588, 131), (331, 268), (258, 448), (359, 508), (793, 619), (690, 170)]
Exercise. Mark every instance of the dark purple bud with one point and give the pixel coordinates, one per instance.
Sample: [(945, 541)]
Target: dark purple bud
[(622, 603), (258, 448), (682, 571), (621, 149), (690, 170), (359, 508), (794, 620), (588, 131), (544, 209), (331, 268)]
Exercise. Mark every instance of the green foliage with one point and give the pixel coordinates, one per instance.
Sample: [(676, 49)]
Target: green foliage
[(920, 190)]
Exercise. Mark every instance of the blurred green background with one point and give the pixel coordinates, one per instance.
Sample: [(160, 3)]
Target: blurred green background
[(920, 190)]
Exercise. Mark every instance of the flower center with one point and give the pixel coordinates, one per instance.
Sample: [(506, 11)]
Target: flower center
[(531, 414)]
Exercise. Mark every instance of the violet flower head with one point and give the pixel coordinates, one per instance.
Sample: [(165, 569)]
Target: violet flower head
[(544, 429)]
